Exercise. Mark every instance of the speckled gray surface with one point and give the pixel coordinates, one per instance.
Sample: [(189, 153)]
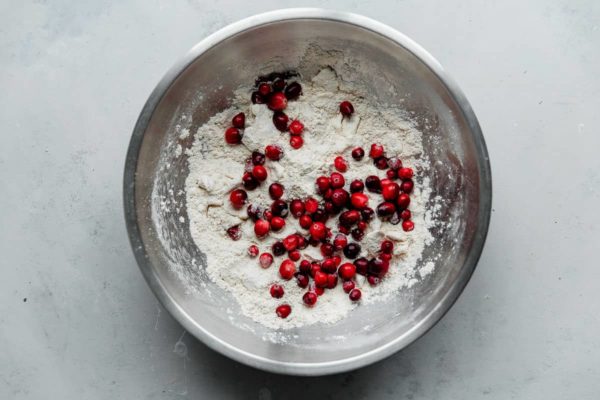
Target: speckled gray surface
[(77, 320)]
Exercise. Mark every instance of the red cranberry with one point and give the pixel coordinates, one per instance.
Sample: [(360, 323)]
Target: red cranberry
[(362, 226), (233, 136), (355, 294), (293, 91), (257, 98), (376, 151), (407, 186), (309, 298), (405, 173), (264, 89), (378, 267), (358, 153), (261, 227), (332, 281), (277, 223), (348, 286), (347, 271), (253, 250), (296, 142), (328, 265), (373, 184), (373, 280), (362, 265), (302, 242), (327, 249), (259, 172), (391, 174), (343, 229), (239, 121), (357, 234), (352, 250), (327, 194), (277, 102), (268, 215), (290, 242), (359, 200), (305, 267), (302, 280), (265, 260), (337, 260), (339, 197), (314, 268), (349, 218), (357, 186), (278, 84), (408, 225), (340, 164), (296, 127), (278, 249), (340, 241), (337, 180), (331, 208), (249, 181), (320, 215), (280, 120), (405, 215), (297, 208), (238, 198), (385, 209), (320, 278), (305, 221), (318, 230), (387, 246), (287, 269), (346, 108), (390, 191), (277, 291), (273, 152), (279, 208), (276, 190), (385, 181), (367, 214), (381, 163), (403, 201), (311, 205), (294, 255), (385, 257), (394, 163), (234, 232), (323, 183), (283, 310)]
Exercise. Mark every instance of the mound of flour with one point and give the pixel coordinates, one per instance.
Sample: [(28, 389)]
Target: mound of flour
[(216, 169)]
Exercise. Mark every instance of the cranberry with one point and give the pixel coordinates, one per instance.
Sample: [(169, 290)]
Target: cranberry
[(253, 212), (331, 208), (283, 310), (385, 209), (327, 194), (346, 108), (314, 268), (294, 255), (280, 120), (290, 242), (320, 215), (403, 201), (302, 280), (277, 223), (309, 298), (362, 265), (362, 225), (390, 191), (287, 269), (408, 225), (239, 121), (261, 227), (293, 91), (373, 280), (348, 286), (327, 249), (405, 215), (311, 205), (296, 127), (296, 142), (249, 181), (359, 200), (238, 198), (357, 234), (358, 153), (253, 250), (233, 136), (332, 281), (376, 151), (395, 163), (273, 152), (385, 257), (259, 172), (407, 186), (347, 271), (343, 229), (385, 181), (378, 267), (367, 214), (373, 184), (340, 241), (405, 173), (323, 183), (276, 291), (278, 84), (257, 98), (268, 215), (297, 208), (320, 278), (305, 267), (340, 164), (337, 180), (234, 232), (278, 249), (355, 294), (265, 260), (391, 174), (387, 246), (357, 186), (279, 208), (381, 163), (277, 102), (305, 221), (337, 260), (302, 242), (328, 266), (349, 218), (276, 190), (339, 197), (258, 158), (351, 250), (264, 89), (318, 230)]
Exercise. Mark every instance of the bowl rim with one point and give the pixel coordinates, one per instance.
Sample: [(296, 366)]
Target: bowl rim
[(253, 360)]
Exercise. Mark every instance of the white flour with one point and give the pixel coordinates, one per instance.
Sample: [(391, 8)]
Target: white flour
[(216, 169)]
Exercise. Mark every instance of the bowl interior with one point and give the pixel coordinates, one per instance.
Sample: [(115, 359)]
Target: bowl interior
[(174, 265)]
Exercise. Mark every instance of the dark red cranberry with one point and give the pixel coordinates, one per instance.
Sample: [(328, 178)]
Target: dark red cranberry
[(352, 250), (273, 152), (265, 260), (261, 227), (257, 98), (277, 102), (337, 180), (405, 215), (233, 136), (405, 173), (264, 89), (390, 191), (278, 249), (323, 183), (347, 271), (387, 246), (302, 242), (349, 218), (305, 266), (340, 164), (395, 163), (348, 286), (258, 158), (357, 186), (362, 225), (315, 267), (328, 266), (327, 194), (362, 265), (408, 225), (367, 214), (343, 229), (378, 267), (331, 208), (279, 208), (280, 120), (278, 84), (332, 281), (249, 181), (238, 198), (239, 121), (296, 127), (253, 250), (293, 91), (283, 310), (305, 221), (320, 215), (358, 153), (297, 208), (340, 197), (385, 210), (355, 294), (277, 223), (376, 151), (327, 249), (234, 232), (346, 108), (340, 241), (403, 201), (373, 184), (359, 200), (302, 280), (357, 234), (381, 163), (391, 174), (407, 186), (309, 298), (276, 190), (277, 291), (311, 205)]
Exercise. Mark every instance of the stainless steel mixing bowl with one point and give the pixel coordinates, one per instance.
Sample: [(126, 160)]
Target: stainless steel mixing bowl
[(201, 84)]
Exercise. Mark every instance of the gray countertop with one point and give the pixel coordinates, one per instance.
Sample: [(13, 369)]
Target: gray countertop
[(77, 320)]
